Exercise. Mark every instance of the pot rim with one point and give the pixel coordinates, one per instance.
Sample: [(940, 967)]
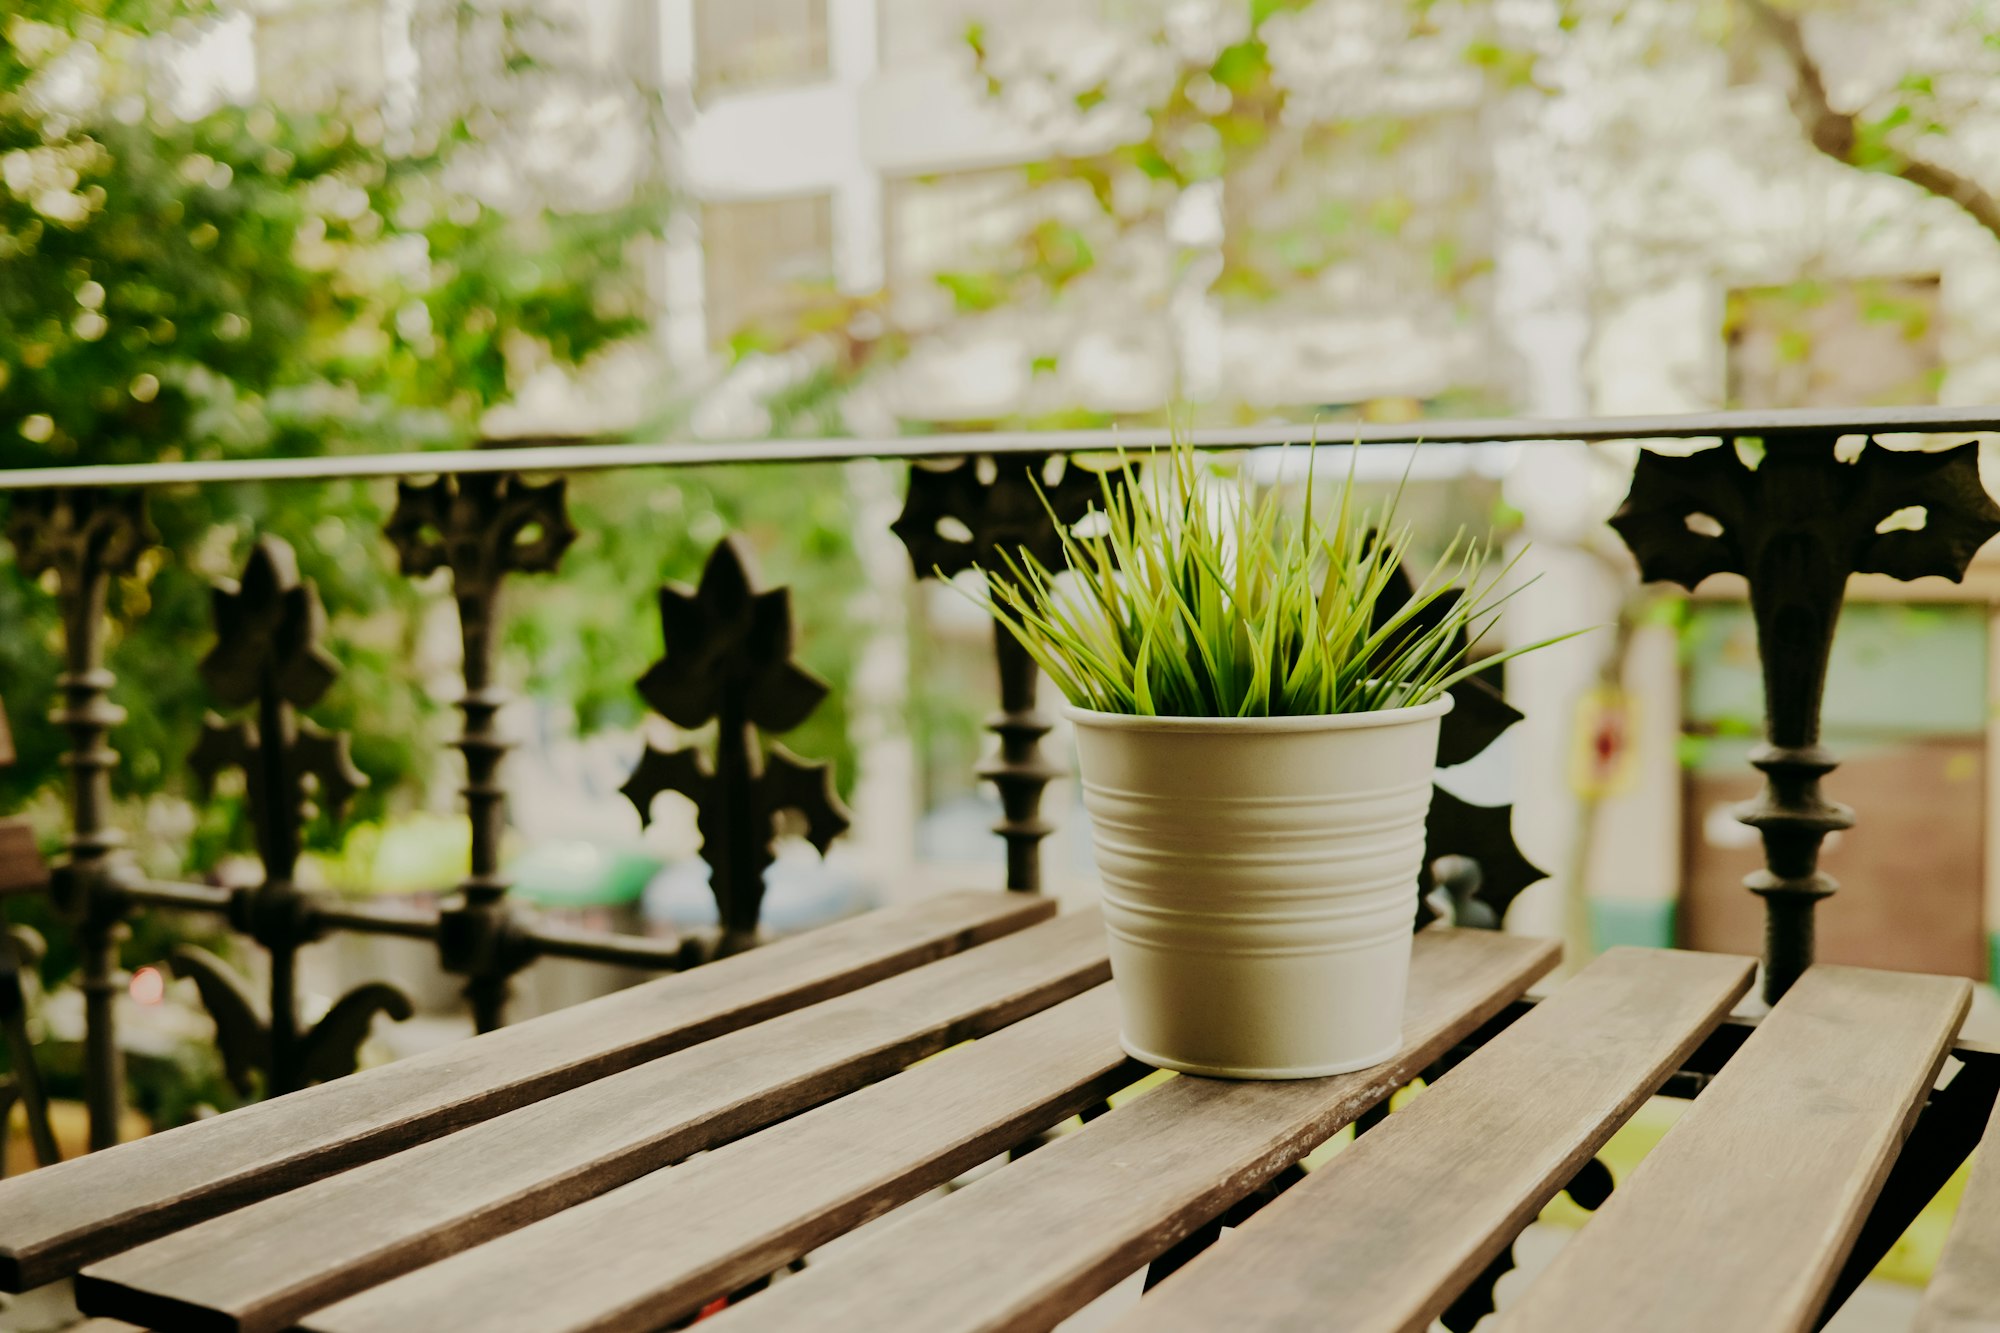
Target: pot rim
[(1379, 717)]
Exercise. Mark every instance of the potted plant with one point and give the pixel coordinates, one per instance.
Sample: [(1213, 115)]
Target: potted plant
[(1257, 732)]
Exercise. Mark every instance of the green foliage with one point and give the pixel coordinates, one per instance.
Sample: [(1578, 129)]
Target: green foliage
[(270, 280), (588, 634), (1306, 189), (972, 292), (1188, 605), (1511, 66)]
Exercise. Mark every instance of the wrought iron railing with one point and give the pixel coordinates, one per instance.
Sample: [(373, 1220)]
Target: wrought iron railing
[(1792, 501)]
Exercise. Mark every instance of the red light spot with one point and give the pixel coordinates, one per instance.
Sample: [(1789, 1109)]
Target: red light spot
[(148, 986)]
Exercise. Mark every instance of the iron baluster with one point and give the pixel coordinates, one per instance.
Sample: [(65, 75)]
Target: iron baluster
[(728, 660), (1471, 860), (1795, 525), (86, 537), (267, 655), (482, 527), (967, 514)]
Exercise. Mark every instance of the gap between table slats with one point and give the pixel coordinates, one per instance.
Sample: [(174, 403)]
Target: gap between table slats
[(55, 1220), (1738, 1220), (1036, 1240), (1964, 1294), (1383, 1237), (261, 1267), (666, 1244)]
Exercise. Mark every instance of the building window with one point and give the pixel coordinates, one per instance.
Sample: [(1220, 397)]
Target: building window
[(1872, 342), (742, 44), (764, 261)]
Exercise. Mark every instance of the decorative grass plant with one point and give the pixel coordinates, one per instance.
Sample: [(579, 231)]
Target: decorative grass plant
[(1185, 605)]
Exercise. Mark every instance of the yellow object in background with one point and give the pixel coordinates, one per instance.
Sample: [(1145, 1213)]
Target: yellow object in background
[(1603, 756), (1910, 1260), (71, 1124)]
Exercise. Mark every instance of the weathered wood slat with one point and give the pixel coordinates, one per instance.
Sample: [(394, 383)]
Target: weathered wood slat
[(666, 1244), (55, 1220), (1388, 1233), (22, 869), (1964, 1294), (1741, 1216), (1029, 1244), (263, 1266)]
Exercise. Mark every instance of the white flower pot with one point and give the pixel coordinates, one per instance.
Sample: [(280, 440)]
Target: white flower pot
[(1260, 883)]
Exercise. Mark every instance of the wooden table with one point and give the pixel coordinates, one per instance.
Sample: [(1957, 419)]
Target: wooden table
[(625, 1163)]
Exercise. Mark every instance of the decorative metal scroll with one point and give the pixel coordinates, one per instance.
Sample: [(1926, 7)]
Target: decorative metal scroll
[(482, 527), (1470, 856), (267, 656), (21, 871), (728, 660), (965, 514), (86, 538), (1795, 524), (20, 953)]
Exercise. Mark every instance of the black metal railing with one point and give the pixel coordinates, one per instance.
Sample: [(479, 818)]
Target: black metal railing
[(1788, 501)]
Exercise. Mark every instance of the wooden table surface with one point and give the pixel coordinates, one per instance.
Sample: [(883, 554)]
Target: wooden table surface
[(625, 1163)]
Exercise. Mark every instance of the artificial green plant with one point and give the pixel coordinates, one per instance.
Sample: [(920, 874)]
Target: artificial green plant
[(1182, 603)]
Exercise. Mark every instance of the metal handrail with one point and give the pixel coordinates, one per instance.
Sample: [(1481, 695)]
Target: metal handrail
[(1794, 525), (592, 454)]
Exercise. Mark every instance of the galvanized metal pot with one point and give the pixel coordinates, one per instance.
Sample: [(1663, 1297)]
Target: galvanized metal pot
[(1260, 883)]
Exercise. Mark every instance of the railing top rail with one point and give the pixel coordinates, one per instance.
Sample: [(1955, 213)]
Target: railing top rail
[(591, 454)]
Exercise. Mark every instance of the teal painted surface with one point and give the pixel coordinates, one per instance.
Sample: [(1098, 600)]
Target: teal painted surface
[(1881, 649), (1647, 925)]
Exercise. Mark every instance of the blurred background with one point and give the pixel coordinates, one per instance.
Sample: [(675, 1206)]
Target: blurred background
[(342, 226)]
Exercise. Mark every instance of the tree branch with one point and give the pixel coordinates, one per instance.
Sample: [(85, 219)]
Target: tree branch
[(1837, 133)]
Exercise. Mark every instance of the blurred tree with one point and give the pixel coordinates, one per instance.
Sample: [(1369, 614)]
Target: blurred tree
[(243, 280), (1344, 155), (1913, 124), (1272, 155)]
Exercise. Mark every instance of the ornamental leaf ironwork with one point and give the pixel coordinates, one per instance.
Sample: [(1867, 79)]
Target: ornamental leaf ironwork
[(1690, 516), (268, 656), (1796, 517), (967, 513), (79, 531), (1479, 712), (728, 660), (267, 631), (481, 526), (1494, 871), (330, 1049), (729, 651), (973, 512), (267, 653)]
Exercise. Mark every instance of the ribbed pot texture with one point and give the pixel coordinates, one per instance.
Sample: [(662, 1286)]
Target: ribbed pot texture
[(1260, 883)]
